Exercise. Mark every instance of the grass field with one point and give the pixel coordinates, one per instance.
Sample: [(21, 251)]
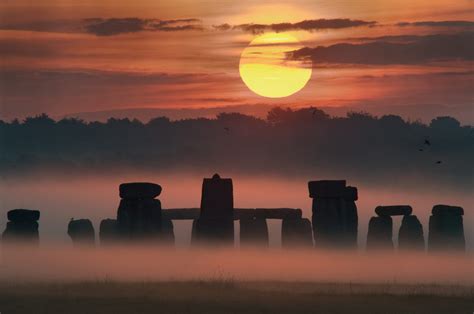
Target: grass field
[(228, 296)]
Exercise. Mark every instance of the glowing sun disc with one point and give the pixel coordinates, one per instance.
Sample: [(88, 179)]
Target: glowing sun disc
[(266, 70)]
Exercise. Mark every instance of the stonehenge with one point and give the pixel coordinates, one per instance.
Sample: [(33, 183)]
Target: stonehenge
[(81, 232), (380, 232), (139, 213), (334, 219), (296, 233), (22, 227), (410, 235), (215, 224), (109, 232), (446, 230), (334, 224), (253, 232)]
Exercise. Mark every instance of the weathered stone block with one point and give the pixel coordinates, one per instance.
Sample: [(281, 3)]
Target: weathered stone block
[(447, 210), (138, 190), (81, 232), (393, 210), (19, 215), (410, 235), (296, 233), (379, 235), (327, 188), (253, 232), (109, 232)]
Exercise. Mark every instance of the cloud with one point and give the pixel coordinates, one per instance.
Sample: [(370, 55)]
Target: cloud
[(421, 49), (306, 25), (116, 26), (438, 23)]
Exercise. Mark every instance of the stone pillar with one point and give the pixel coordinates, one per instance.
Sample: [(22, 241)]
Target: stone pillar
[(216, 221), (296, 232), (334, 218), (81, 232), (410, 235), (167, 231), (22, 227), (253, 232), (109, 232), (379, 235), (139, 213), (446, 230)]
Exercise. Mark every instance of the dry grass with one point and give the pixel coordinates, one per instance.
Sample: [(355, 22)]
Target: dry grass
[(230, 296)]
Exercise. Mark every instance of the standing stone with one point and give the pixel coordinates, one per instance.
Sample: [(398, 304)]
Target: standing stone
[(379, 235), (446, 230), (81, 232), (109, 232), (253, 232), (410, 235), (296, 233), (335, 219), (139, 214), (22, 227), (215, 224), (167, 231)]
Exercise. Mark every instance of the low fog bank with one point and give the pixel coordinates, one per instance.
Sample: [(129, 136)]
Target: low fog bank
[(58, 263)]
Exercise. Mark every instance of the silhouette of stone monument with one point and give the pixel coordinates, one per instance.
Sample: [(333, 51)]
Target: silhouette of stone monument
[(380, 232), (215, 224), (410, 235), (334, 214), (296, 232), (253, 231), (109, 232), (446, 230), (22, 227), (139, 213), (81, 232)]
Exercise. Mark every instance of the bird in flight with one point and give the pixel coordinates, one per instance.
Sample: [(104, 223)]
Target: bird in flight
[(427, 142), (438, 162)]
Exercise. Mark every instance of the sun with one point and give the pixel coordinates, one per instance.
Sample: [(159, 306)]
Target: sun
[(266, 70)]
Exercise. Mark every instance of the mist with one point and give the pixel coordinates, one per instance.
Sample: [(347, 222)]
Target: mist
[(146, 264)]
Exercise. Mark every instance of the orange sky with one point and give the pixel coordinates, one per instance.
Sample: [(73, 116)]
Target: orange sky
[(56, 61)]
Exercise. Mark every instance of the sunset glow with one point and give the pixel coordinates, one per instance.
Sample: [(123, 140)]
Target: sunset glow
[(265, 69)]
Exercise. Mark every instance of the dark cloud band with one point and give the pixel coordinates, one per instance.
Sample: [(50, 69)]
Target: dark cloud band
[(306, 25), (420, 49)]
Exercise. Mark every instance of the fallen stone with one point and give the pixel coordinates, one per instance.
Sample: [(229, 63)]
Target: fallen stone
[(81, 232), (393, 210), (19, 215), (410, 235), (447, 210), (138, 190)]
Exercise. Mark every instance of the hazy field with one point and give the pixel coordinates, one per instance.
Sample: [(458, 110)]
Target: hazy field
[(227, 296)]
